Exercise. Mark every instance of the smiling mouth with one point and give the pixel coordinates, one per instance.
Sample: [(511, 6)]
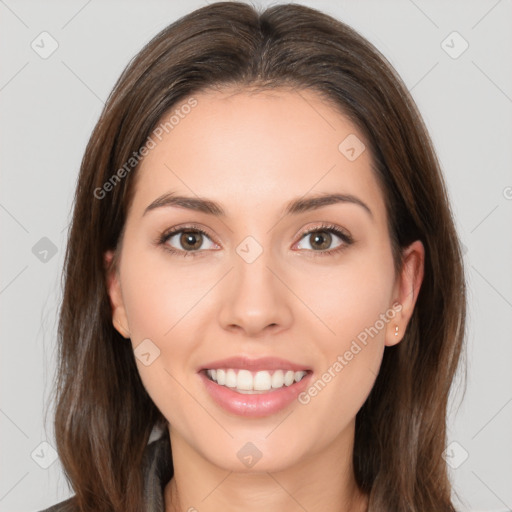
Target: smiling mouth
[(254, 382)]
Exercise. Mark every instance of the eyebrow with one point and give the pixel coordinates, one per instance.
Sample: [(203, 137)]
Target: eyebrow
[(294, 207)]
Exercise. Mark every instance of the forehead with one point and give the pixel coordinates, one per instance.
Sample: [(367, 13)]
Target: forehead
[(250, 150)]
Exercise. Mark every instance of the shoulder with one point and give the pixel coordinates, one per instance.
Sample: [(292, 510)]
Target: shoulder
[(157, 470), (68, 505)]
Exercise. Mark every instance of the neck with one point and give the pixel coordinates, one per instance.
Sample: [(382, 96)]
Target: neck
[(323, 482)]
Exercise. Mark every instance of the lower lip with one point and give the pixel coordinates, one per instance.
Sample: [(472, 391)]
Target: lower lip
[(254, 405)]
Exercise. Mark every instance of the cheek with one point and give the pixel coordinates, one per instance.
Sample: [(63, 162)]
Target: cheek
[(160, 290), (353, 304), (160, 297), (349, 297), (350, 357)]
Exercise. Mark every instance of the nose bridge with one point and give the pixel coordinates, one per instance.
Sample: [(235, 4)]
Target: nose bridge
[(255, 297)]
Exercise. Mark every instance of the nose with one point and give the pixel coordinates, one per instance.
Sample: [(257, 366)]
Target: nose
[(256, 300)]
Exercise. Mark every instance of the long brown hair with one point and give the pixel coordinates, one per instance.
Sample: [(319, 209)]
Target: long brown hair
[(104, 415)]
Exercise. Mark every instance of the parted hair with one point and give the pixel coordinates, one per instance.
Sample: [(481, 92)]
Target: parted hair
[(103, 414)]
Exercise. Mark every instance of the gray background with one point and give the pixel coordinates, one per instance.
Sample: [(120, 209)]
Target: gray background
[(50, 105)]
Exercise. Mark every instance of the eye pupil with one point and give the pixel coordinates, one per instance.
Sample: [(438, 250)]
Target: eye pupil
[(324, 236), (187, 240)]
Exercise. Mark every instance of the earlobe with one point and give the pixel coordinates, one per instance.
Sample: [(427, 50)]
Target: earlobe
[(119, 317), (407, 288), (394, 334)]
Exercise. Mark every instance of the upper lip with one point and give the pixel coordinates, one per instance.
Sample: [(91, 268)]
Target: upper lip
[(262, 363)]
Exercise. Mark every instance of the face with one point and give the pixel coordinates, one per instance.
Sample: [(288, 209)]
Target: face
[(304, 298)]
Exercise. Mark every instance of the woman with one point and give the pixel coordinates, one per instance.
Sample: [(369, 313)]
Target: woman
[(262, 273)]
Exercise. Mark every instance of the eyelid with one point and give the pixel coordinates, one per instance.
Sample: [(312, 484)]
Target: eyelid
[(326, 226), (187, 227), (338, 231)]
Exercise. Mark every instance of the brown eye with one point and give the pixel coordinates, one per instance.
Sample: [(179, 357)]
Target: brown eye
[(186, 241), (320, 240), (191, 240)]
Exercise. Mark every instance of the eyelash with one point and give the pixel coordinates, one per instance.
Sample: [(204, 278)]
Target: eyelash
[(329, 228)]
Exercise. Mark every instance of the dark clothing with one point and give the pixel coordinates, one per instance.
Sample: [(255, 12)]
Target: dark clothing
[(157, 470)]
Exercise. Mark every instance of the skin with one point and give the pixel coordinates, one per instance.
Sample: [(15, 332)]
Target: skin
[(253, 153)]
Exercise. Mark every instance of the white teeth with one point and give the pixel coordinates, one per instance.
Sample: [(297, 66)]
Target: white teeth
[(278, 379), (262, 381), (221, 377), (231, 378), (244, 381), (289, 378)]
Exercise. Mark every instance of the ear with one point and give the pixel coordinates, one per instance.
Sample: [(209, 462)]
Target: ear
[(406, 290), (119, 317)]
